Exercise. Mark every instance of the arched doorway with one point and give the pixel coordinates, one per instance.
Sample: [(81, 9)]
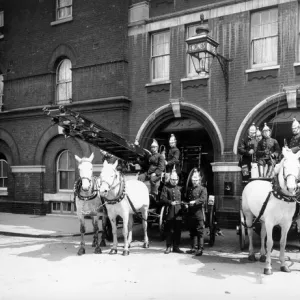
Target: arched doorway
[(195, 146)]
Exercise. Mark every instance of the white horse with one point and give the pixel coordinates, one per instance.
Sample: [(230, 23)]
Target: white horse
[(88, 202), (279, 210), (123, 199)]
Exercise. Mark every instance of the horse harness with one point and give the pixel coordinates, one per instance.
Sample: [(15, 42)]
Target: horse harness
[(92, 196), (277, 193)]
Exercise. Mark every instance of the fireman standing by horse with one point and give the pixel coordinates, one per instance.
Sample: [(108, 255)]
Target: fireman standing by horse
[(196, 198)]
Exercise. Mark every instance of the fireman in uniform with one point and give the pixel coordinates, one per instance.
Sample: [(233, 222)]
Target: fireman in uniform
[(155, 170), (172, 158), (196, 198), (258, 135), (267, 152), (247, 151), (171, 198), (294, 144)]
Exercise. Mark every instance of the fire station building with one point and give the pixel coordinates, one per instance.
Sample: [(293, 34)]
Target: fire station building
[(128, 65)]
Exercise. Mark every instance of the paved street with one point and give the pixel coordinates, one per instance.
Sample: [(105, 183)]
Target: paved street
[(49, 268)]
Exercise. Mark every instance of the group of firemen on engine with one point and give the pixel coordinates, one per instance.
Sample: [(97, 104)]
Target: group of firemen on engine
[(172, 197), (260, 148)]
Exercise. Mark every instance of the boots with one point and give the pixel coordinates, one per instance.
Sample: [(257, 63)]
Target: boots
[(270, 172), (193, 245), (261, 171), (168, 250), (200, 247)]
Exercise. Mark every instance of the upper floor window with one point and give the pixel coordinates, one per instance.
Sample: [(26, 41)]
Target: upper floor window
[(264, 38), (1, 91), (1, 23), (65, 171), (63, 9), (191, 72), (64, 82), (160, 56), (3, 173)]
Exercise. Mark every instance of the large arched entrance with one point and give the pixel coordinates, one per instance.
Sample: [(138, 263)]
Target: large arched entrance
[(195, 128)]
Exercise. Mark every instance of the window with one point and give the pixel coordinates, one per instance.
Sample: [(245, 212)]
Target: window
[(63, 208), (191, 72), (63, 9), (64, 82), (1, 91), (298, 31), (264, 38), (66, 171), (160, 56), (1, 23), (3, 174)]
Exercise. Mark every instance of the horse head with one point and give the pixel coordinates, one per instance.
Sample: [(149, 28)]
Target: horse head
[(85, 167), (108, 177), (289, 170)]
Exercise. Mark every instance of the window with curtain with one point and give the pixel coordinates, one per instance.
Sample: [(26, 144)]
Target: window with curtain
[(64, 82), (3, 173), (65, 171), (264, 38), (1, 23), (63, 9), (191, 72), (160, 56)]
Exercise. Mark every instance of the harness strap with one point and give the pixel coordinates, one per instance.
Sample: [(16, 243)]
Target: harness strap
[(77, 187), (262, 210), (120, 195), (134, 210)]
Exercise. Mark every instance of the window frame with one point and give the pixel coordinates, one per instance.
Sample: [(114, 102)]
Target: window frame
[(1, 91), (58, 8), (3, 188), (1, 23), (64, 170), (153, 57), (63, 82), (268, 63)]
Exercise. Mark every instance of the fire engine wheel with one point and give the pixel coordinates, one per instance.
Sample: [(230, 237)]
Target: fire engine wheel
[(212, 227), (162, 223), (242, 231)]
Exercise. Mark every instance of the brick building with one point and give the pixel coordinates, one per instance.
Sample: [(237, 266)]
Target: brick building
[(261, 38), (124, 64), (56, 52)]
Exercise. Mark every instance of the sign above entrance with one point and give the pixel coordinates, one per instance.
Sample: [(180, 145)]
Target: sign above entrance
[(182, 124)]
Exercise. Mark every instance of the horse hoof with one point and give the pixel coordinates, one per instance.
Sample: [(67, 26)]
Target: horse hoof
[(268, 271), (262, 258), (81, 251), (125, 253), (113, 251), (103, 243), (146, 245), (285, 269), (98, 250), (252, 257)]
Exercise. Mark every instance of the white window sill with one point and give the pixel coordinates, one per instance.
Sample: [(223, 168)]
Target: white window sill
[(65, 20), (1, 36), (194, 78), (66, 196), (158, 83), (3, 192), (263, 69), (62, 102), (296, 64)]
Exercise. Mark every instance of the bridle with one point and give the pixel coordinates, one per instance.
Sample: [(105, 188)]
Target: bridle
[(111, 186)]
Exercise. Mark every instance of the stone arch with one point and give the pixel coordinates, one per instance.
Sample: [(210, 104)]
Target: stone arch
[(270, 106), (9, 140), (49, 135), (62, 50), (187, 110)]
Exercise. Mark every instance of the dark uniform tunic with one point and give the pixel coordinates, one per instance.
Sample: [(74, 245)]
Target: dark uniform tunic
[(295, 143), (195, 212), (156, 166), (265, 148), (173, 215), (173, 159), (246, 158)]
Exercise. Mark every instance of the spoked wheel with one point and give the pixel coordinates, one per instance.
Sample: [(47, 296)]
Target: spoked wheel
[(242, 231), (162, 223), (212, 226)]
